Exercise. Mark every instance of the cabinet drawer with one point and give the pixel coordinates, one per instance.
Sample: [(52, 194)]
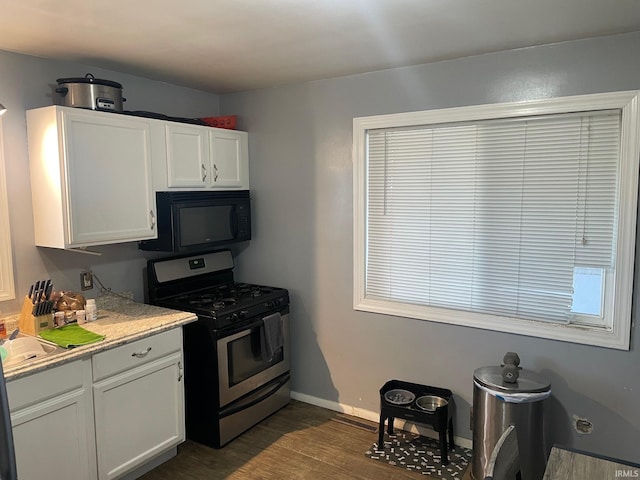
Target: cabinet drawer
[(42, 386), (136, 353)]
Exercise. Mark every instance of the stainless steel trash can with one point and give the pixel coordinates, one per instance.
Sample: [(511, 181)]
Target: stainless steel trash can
[(498, 404)]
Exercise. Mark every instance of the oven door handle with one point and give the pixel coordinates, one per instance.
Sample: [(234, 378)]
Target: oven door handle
[(244, 405), (244, 329)]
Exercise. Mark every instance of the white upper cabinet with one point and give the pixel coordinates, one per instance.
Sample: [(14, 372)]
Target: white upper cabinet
[(197, 157), (229, 159), (91, 178), (187, 155)]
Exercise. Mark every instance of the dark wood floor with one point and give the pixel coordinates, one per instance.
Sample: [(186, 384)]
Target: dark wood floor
[(300, 441)]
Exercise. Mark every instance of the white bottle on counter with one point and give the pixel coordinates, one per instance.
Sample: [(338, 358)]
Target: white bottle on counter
[(58, 319), (91, 310)]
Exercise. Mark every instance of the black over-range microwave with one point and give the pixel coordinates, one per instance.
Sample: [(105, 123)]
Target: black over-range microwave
[(195, 221)]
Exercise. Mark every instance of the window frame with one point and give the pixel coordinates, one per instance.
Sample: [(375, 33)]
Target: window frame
[(7, 285), (615, 336)]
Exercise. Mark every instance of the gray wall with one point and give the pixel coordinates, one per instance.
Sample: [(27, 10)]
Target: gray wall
[(29, 82), (301, 178)]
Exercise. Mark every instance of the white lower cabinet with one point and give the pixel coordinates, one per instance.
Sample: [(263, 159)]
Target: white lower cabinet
[(103, 417), (52, 418), (139, 411)]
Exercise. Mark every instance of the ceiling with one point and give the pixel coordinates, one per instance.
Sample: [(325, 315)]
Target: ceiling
[(224, 46)]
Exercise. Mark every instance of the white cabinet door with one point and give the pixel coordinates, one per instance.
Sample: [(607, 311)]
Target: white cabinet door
[(229, 159), (187, 155), (109, 178), (139, 414), (90, 177), (47, 443), (52, 418)]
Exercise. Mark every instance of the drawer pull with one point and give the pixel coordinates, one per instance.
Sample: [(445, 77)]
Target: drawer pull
[(141, 354)]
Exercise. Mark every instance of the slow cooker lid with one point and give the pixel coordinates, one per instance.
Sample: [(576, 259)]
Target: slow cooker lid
[(88, 78)]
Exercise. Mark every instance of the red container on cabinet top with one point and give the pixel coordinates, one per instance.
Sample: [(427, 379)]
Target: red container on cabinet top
[(225, 121)]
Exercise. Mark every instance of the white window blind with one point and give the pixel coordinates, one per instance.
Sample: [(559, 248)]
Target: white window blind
[(493, 216)]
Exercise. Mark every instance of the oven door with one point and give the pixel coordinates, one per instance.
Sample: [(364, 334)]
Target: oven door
[(241, 366)]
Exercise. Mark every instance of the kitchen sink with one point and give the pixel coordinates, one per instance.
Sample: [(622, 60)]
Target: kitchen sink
[(25, 348)]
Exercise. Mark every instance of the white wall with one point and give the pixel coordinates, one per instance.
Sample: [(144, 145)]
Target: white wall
[(300, 140), (29, 82)]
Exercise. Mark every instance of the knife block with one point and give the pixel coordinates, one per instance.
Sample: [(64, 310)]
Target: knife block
[(31, 324)]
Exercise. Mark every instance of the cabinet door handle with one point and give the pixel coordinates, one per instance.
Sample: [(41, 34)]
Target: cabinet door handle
[(152, 217), (204, 172), (180, 371), (141, 354), (215, 172)]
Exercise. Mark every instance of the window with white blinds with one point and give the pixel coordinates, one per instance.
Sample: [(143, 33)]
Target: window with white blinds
[(510, 220)]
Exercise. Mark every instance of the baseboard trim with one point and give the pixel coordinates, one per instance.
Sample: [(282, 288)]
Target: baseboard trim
[(374, 417)]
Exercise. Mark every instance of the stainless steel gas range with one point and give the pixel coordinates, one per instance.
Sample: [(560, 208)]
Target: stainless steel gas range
[(237, 353)]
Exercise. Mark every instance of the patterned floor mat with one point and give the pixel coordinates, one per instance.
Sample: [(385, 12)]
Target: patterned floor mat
[(421, 455)]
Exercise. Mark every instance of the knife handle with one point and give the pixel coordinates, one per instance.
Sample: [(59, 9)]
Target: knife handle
[(47, 290), (36, 287)]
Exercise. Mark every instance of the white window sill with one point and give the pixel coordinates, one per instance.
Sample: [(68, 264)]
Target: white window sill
[(581, 334)]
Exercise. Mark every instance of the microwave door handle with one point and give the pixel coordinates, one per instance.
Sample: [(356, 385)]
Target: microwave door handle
[(233, 221)]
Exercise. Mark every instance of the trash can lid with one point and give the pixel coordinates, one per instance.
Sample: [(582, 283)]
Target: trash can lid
[(528, 382)]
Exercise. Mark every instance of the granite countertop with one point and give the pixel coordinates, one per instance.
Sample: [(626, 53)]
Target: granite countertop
[(120, 320)]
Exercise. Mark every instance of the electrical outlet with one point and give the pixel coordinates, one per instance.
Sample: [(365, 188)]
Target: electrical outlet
[(86, 280)]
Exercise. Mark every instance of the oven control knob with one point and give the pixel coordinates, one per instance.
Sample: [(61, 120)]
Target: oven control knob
[(242, 314), (274, 303), (234, 317)]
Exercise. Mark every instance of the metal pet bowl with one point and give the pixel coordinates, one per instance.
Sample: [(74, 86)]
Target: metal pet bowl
[(399, 396), (429, 403)]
